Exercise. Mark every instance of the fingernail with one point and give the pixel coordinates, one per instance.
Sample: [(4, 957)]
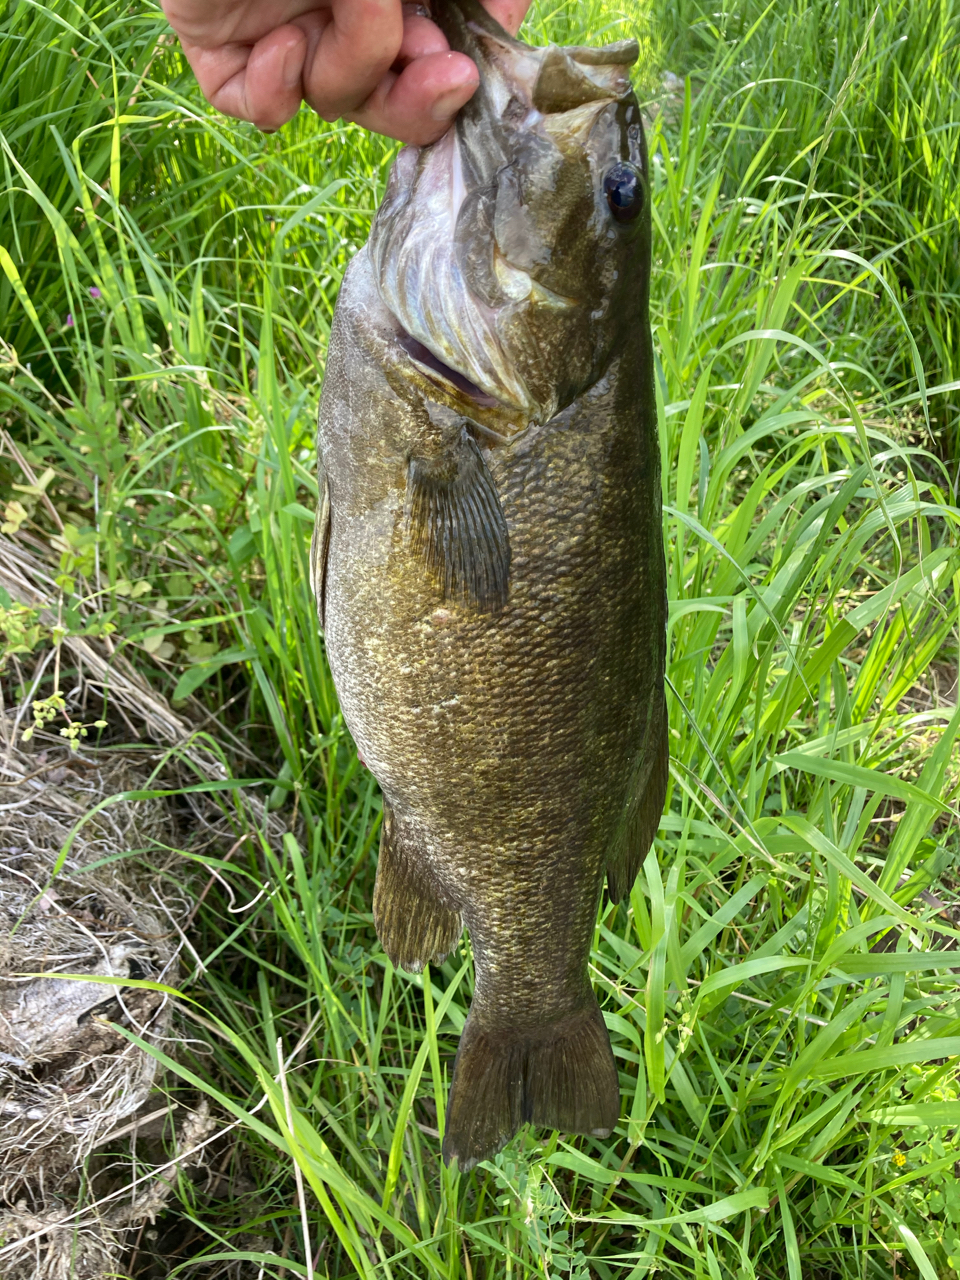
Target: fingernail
[(447, 106), (292, 68)]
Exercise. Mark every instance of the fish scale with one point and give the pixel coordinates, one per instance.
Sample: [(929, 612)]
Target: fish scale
[(491, 577)]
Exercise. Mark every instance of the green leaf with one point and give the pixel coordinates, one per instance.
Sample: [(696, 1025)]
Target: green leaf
[(855, 775), (719, 1211), (930, 1114), (194, 677), (865, 1061), (299, 512), (748, 969), (914, 1247)]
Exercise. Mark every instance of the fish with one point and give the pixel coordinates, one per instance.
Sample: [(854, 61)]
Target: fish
[(488, 560)]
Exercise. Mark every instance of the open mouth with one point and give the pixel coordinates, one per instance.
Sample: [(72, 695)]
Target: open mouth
[(424, 356)]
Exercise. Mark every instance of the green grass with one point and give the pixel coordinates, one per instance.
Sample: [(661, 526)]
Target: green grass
[(783, 1014), (863, 97)]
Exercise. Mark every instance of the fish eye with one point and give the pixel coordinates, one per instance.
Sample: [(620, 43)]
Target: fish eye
[(623, 188)]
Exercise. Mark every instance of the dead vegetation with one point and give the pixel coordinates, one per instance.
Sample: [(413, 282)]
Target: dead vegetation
[(90, 934), (83, 928)]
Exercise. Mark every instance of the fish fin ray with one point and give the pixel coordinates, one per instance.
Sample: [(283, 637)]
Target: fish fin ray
[(643, 818), (560, 1077), (414, 927), (456, 525), (320, 546)]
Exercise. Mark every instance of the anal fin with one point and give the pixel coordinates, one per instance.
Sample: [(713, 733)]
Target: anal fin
[(644, 813), (414, 927), (455, 524)]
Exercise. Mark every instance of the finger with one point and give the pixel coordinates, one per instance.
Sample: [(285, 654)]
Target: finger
[(261, 83), (216, 69), (420, 36), (212, 23), (419, 104), (273, 85), (357, 49), (509, 13)]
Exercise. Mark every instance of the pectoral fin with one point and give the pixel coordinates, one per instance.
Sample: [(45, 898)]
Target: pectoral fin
[(455, 524)]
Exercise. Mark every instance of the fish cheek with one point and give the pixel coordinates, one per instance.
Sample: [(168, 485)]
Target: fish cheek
[(522, 235), (553, 335), (561, 206)]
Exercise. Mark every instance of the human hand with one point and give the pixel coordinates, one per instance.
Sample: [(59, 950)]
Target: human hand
[(381, 63)]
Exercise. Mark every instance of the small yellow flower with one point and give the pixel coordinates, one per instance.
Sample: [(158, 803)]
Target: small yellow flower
[(899, 1159)]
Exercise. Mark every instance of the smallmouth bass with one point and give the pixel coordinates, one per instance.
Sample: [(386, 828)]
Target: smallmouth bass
[(489, 563)]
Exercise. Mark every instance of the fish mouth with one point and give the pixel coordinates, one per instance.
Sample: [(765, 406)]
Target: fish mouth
[(445, 325), (492, 421), (425, 357)]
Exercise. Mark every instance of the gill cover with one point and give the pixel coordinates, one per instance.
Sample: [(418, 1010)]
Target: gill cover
[(495, 248)]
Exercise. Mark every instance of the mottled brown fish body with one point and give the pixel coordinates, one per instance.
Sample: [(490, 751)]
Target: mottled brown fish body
[(493, 597)]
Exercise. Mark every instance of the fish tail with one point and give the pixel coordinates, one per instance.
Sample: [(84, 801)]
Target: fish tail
[(559, 1077)]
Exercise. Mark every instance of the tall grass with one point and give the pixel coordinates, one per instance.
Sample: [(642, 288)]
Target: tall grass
[(780, 990), (865, 93)]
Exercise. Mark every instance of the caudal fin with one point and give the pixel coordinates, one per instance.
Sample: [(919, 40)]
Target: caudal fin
[(561, 1077)]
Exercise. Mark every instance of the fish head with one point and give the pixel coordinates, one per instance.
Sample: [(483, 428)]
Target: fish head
[(514, 253)]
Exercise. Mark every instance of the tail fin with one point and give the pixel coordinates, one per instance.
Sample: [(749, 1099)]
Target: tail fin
[(561, 1077)]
